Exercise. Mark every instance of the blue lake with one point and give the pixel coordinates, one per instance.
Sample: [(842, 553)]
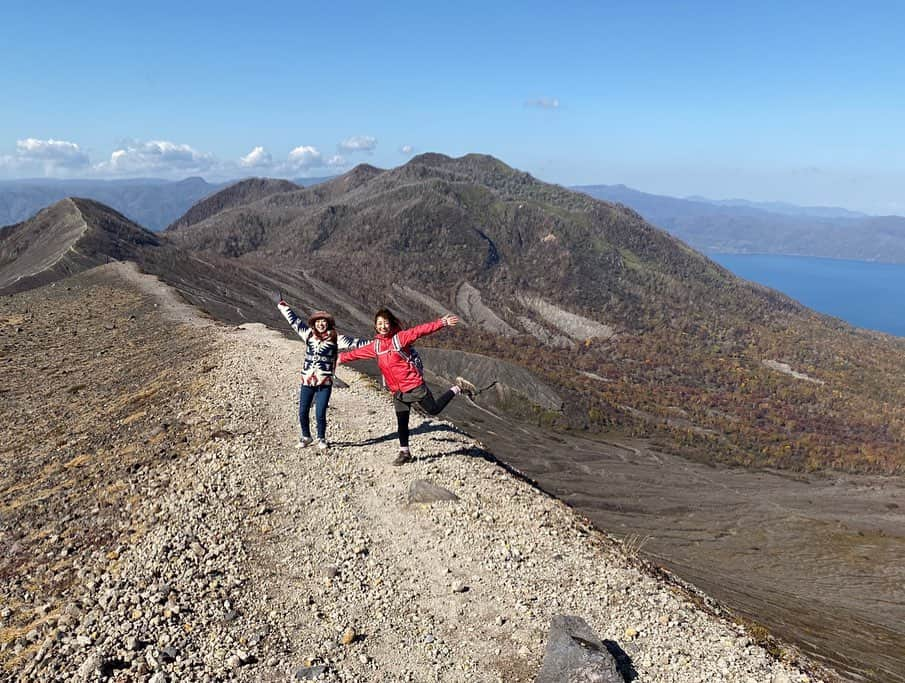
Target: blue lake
[(870, 295)]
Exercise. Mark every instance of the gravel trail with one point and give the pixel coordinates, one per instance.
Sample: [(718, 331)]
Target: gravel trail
[(242, 557)]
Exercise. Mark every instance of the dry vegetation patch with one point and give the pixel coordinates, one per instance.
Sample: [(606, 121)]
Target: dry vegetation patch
[(94, 380)]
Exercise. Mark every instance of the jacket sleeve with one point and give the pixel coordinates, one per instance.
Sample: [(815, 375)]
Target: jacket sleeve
[(360, 353), (294, 321), (344, 341), (408, 336)]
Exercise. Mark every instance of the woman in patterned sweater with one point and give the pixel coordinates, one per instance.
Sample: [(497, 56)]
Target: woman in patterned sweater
[(322, 345)]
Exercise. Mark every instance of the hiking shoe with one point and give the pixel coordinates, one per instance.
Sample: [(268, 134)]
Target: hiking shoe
[(404, 457), (322, 444), (467, 387), (304, 441)]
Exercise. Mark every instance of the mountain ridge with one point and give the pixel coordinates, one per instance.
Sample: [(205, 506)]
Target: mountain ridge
[(736, 226), (488, 227), (572, 289), (784, 207), (66, 238), (151, 202), (241, 192)]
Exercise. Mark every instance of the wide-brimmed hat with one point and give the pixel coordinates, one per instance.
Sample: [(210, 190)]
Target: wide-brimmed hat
[(321, 315)]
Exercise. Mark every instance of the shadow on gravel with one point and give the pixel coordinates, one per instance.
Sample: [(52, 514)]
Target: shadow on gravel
[(623, 662), (424, 428), (479, 452)]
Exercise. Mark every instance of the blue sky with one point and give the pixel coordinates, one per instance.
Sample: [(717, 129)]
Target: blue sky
[(798, 102)]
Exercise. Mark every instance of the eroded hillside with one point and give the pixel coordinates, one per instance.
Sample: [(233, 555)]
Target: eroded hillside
[(643, 334)]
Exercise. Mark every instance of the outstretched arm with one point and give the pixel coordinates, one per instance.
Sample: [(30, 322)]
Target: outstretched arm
[(408, 336), (344, 341), (294, 321), (366, 351)]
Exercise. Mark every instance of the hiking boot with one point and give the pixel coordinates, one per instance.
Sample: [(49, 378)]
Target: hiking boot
[(466, 387), (304, 441), (322, 444), (404, 457)]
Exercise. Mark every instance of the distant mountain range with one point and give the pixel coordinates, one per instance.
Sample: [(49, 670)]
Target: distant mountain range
[(741, 227), (714, 226), (641, 334), (783, 207), (151, 202)]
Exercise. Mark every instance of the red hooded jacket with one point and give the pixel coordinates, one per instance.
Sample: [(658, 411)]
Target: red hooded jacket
[(398, 373)]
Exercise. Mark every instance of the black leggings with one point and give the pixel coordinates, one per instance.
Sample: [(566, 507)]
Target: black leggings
[(402, 403)]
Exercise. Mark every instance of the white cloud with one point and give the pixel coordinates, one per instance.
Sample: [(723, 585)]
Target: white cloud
[(304, 157), (156, 156), (358, 143), (544, 103), (300, 160), (163, 159), (256, 158), (406, 150), (51, 154)]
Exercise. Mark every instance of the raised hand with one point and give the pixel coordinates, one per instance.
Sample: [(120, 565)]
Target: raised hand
[(450, 319)]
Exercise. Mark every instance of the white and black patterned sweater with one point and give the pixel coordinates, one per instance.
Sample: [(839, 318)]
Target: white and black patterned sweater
[(320, 353)]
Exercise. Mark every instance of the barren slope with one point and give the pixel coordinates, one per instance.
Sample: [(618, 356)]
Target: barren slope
[(68, 237), (164, 524), (243, 192)]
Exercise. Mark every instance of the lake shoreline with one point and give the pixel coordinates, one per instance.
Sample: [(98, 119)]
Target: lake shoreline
[(865, 294)]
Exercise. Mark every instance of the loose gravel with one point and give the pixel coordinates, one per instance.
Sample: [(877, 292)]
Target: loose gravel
[(249, 559)]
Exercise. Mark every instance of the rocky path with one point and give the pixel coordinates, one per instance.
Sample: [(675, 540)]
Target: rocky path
[(241, 557)]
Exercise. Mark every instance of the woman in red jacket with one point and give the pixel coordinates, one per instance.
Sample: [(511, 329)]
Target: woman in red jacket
[(401, 370)]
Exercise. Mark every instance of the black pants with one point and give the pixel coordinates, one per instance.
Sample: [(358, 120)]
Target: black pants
[(402, 404)]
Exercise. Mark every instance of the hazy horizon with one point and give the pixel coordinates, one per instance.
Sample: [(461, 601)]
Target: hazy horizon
[(229, 180)]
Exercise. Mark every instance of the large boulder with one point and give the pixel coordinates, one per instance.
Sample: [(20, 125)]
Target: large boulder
[(575, 654)]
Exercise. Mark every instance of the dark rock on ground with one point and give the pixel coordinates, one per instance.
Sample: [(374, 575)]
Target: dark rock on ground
[(423, 491), (309, 673), (575, 654)]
